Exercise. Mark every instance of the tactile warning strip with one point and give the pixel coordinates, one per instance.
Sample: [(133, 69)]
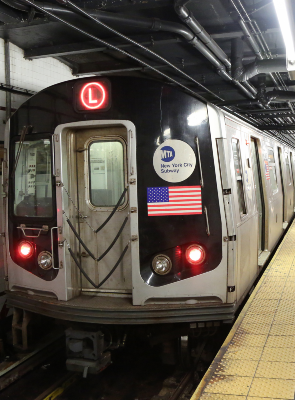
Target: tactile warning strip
[(257, 359)]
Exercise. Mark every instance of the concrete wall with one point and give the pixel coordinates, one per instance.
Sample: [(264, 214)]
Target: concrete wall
[(33, 75)]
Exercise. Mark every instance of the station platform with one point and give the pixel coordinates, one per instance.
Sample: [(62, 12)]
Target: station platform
[(257, 359)]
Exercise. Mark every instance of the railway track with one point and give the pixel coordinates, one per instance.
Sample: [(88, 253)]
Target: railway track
[(137, 373)]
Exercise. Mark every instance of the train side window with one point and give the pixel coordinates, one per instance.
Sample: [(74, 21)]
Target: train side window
[(288, 171), (106, 172), (33, 179), (238, 174), (272, 170)]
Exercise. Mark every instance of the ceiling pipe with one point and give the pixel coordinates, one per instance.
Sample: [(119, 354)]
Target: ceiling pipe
[(153, 25), (18, 5), (187, 17), (260, 67), (249, 37), (159, 25), (263, 98), (243, 73), (266, 50), (9, 15), (238, 103), (255, 47), (127, 54), (278, 96), (252, 42)]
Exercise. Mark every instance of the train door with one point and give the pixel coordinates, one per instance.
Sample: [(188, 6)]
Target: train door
[(293, 175), (259, 193), (245, 210), (281, 164), (99, 175), (274, 198), (2, 228), (289, 188), (287, 185)]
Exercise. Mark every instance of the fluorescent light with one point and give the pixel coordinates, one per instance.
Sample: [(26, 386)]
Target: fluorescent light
[(285, 17)]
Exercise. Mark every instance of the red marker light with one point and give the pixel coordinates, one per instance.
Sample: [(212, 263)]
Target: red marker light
[(178, 252), (25, 249), (93, 96), (195, 254)]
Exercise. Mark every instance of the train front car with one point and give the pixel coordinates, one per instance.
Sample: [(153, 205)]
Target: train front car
[(115, 206)]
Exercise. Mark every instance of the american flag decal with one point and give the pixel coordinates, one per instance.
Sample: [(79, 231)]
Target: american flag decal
[(174, 200), (266, 169)]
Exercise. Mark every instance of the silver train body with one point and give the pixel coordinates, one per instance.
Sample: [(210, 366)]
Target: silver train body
[(254, 176)]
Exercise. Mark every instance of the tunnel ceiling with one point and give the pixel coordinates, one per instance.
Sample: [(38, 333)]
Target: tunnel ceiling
[(165, 28)]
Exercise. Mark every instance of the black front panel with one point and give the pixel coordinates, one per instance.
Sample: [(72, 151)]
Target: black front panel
[(155, 109), (172, 235)]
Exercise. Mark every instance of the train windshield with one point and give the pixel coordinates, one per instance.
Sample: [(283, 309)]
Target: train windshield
[(33, 179)]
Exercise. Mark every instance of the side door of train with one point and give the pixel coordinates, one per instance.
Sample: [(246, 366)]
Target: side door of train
[(290, 189), (259, 170), (287, 183), (274, 201), (292, 155), (246, 215)]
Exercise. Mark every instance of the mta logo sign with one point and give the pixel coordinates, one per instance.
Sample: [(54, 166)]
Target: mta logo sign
[(167, 153)]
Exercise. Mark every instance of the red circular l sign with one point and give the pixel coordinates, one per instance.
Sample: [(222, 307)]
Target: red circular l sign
[(93, 96)]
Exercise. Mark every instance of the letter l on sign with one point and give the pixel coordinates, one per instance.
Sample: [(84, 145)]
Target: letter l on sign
[(91, 100)]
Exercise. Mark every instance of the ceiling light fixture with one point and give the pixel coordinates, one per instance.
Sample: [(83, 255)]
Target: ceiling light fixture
[(285, 16)]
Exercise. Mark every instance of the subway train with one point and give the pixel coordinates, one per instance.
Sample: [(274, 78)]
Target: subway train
[(129, 202)]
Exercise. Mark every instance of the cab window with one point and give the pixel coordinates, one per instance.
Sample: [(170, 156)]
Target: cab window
[(33, 179)]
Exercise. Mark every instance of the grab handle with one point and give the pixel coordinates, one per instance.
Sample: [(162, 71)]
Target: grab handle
[(39, 230), (207, 221), (131, 169), (200, 164), (52, 249)]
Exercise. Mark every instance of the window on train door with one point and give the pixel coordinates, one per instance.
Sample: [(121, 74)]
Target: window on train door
[(288, 170), (106, 172), (239, 176), (272, 170)]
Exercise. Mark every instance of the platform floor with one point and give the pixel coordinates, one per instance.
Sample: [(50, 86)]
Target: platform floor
[(257, 360)]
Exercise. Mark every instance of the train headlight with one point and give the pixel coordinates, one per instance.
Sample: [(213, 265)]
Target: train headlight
[(45, 260), (161, 264), (195, 254), (26, 249)]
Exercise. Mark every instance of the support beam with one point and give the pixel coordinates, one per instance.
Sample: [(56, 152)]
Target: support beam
[(275, 115), (4, 109), (86, 47), (7, 77), (9, 15), (289, 127), (16, 90), (107, 68), (71, 64), (235, 34), (269, 111)]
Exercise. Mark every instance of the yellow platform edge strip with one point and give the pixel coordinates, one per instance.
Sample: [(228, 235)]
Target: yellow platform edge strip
[(211, 370)]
